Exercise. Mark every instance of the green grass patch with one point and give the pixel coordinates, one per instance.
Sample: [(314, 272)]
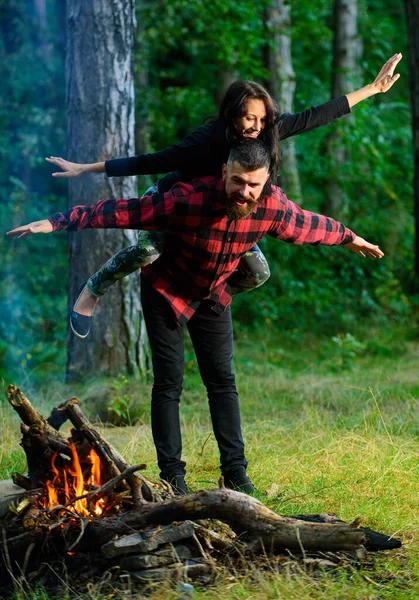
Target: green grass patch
[(319, 438)]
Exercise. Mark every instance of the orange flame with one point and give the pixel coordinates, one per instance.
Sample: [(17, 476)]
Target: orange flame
[(69, 483)]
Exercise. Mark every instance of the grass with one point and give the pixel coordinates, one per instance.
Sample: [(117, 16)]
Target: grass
[(319, 438)]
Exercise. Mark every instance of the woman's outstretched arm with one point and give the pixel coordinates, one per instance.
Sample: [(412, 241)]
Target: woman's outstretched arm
[(70, 169), (381, 84), (317, 116)]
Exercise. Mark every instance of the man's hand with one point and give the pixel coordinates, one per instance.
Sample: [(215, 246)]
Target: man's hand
[(364, 248), (43, 226), (69, 169), (385, 78)]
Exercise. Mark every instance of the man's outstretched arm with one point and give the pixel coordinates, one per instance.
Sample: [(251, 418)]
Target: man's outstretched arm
[(298, 226), (106, 214)]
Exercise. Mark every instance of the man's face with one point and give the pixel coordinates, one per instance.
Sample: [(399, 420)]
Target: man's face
[(253, 121), (243, 189)]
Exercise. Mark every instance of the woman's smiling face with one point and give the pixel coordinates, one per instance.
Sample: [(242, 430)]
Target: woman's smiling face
[(253, 121)]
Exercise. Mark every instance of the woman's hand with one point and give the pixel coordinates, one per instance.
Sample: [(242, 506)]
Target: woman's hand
[(386, 78), (364, 248), (382, 83), (43, 226), (69, 169)]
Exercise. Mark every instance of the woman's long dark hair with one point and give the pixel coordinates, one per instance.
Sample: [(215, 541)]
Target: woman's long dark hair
[(233, 106)]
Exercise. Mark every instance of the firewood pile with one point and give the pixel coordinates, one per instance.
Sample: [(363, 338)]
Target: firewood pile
[(82, 512)]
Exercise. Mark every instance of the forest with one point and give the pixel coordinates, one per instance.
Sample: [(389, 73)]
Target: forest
[(326, 350), (358, 169)]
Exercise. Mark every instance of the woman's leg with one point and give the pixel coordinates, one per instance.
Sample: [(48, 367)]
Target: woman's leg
[(148, 249), (149, 246), (252, 272), (120, 265)]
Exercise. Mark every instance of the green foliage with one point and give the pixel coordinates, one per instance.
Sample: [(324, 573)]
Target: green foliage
[(117, 402), (196, 46), (192, 48), (119, 405), (187, 52), (346, 349)]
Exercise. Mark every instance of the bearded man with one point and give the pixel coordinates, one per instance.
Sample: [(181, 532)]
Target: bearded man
[(209, 224)]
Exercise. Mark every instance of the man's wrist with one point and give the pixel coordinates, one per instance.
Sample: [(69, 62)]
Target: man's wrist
[(52, 222)]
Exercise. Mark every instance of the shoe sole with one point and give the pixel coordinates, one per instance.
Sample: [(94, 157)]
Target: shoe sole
[(81, 290), (79, 335)]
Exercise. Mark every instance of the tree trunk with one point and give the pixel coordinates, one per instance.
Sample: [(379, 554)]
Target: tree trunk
[(142, 106), (141, 69), (100, 110), (412, 15), (282, 85), (41, 13), (225, 78), (345, 73)]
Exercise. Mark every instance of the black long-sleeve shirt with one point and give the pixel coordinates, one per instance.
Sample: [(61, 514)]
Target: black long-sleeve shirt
[(194, 156)]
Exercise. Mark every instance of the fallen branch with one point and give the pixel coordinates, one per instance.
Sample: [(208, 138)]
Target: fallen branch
[(243, 513)]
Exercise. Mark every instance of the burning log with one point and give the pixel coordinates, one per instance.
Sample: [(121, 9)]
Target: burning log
[(24, 482), (29, 416), (140, 487), (243, 513), (84, 498)]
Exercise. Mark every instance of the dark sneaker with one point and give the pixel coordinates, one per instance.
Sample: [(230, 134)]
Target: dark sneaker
[(178, 484), (80, 324), (236, 479)]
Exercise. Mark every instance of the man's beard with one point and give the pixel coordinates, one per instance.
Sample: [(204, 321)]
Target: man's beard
[(235, 211)]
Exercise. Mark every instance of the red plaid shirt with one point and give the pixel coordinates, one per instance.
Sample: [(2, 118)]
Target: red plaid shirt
[(202, 245)]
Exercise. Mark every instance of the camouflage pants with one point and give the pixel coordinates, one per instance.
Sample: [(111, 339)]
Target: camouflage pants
[(149, 246), (252, 272)]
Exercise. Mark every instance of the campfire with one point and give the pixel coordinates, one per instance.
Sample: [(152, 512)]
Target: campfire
[(68, 482), (83, 508)]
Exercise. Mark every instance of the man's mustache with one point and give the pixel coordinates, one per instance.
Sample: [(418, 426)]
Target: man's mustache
[(241, 200), (238, 196)]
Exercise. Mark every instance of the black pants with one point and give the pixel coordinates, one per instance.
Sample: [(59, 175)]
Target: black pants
[(212, 338)]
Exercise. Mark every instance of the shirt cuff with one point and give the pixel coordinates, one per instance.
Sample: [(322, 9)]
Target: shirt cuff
[(349, 237), (344, 107), (121, 167), (53, 219)]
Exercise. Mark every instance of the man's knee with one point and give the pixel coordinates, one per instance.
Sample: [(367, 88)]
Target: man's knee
[(218, 377), (166, 391)]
